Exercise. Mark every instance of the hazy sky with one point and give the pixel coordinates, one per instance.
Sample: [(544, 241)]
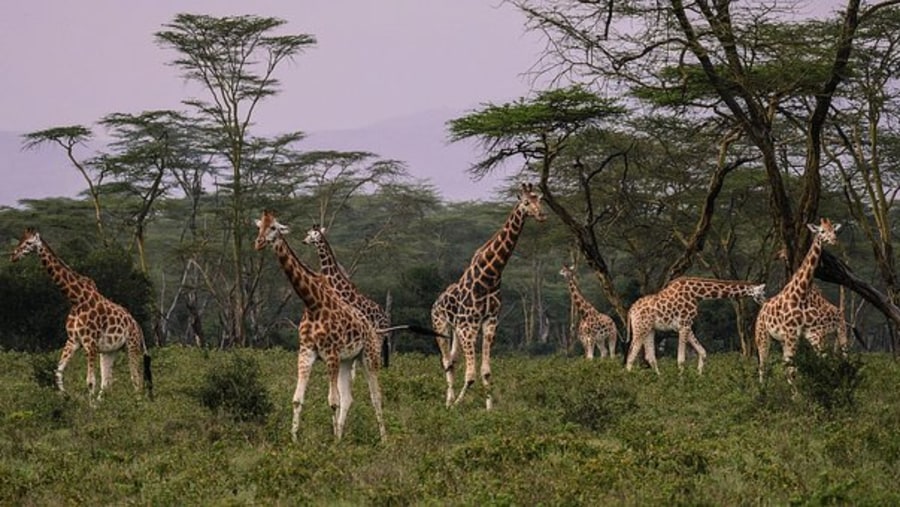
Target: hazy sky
[(66, 62)]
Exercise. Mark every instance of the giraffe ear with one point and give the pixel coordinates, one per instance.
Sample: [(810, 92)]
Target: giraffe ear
[(258, 222), (814, 228), (322, 230), (283, 229), (837, 227)]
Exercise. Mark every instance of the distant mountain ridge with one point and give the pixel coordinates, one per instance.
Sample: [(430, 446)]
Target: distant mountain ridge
[(420, 140)]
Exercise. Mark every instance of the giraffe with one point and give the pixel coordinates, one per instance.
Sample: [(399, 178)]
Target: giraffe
[(94, 322), (472, 303), (595, 328), (674, 309), (798, 310), (331, 329), (335, 274)]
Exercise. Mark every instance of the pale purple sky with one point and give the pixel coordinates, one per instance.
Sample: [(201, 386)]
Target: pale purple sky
[(67, 62)]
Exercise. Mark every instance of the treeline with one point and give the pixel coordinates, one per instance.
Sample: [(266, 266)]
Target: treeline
[(702, 153)]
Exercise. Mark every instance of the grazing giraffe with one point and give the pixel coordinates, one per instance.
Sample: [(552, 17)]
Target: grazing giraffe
[(331, 329), (94, 322), (674, 309), (595, 328), (798, 310), (335, 274), (473, 302)]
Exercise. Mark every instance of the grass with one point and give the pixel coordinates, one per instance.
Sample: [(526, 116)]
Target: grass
[(563, 431)]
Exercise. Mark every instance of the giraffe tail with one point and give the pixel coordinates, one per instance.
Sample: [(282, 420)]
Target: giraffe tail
[(386, 350), (148, 375)]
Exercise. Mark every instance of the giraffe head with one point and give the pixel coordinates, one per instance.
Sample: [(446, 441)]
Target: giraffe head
[(269, 230), (29, 243), (566, 272), (758, 293), (530, 202), (826, 232), (315, 235)]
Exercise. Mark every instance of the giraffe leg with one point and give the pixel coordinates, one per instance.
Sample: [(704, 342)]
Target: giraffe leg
[(790, 347), (69, 350), (637, 341), (682, 349), (375, 394), (489, 330), (611, 340), (692, 340), (106, 364), (650, 350), (448, 355), (465, 338), (344, 396), (601, 344), (305, 360), (91, 354), (761, 337), (135, 364), (588, 345)]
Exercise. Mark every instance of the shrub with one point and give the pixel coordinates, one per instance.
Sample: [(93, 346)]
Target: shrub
[(43, 370), (236, 389), (830, 380), (596, 406)]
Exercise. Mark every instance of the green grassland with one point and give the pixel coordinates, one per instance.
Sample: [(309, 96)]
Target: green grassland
[(563, 431)]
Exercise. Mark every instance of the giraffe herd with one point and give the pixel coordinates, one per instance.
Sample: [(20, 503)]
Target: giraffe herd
[(341, 326)]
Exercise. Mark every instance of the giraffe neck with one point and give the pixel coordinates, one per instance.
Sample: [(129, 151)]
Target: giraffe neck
[(799, 283), (578, 299), (76, 287), (305, 282), (708, 288), (488, 262), (328, 261)]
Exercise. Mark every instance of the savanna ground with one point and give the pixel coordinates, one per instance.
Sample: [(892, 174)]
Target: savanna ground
[(563, 431)]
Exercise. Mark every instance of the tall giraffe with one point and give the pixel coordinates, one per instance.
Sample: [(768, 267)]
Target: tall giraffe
[(335, 274), (595, 329), (330, 329), (674, 308), (473, 302), (797, 310), (94, 322)]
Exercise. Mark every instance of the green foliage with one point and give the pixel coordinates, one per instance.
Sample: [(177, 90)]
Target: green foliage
[(43, 368), (830, 380), (235, 387), (689, 439)]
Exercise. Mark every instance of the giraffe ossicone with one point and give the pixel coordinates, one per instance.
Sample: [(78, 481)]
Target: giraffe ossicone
[(472, 304), (96, 324)]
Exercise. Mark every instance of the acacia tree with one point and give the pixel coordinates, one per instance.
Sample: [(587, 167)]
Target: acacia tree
[(539, 130), (867, 148), (68, 138), (736, 61), (234, 60)]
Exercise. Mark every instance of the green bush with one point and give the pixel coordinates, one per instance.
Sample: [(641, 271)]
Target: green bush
[(236, 389), (829, 380), (597, 406), (43, 369)]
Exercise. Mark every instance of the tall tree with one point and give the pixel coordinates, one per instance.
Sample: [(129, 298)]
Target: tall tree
[(738, 61), (234, 60)]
